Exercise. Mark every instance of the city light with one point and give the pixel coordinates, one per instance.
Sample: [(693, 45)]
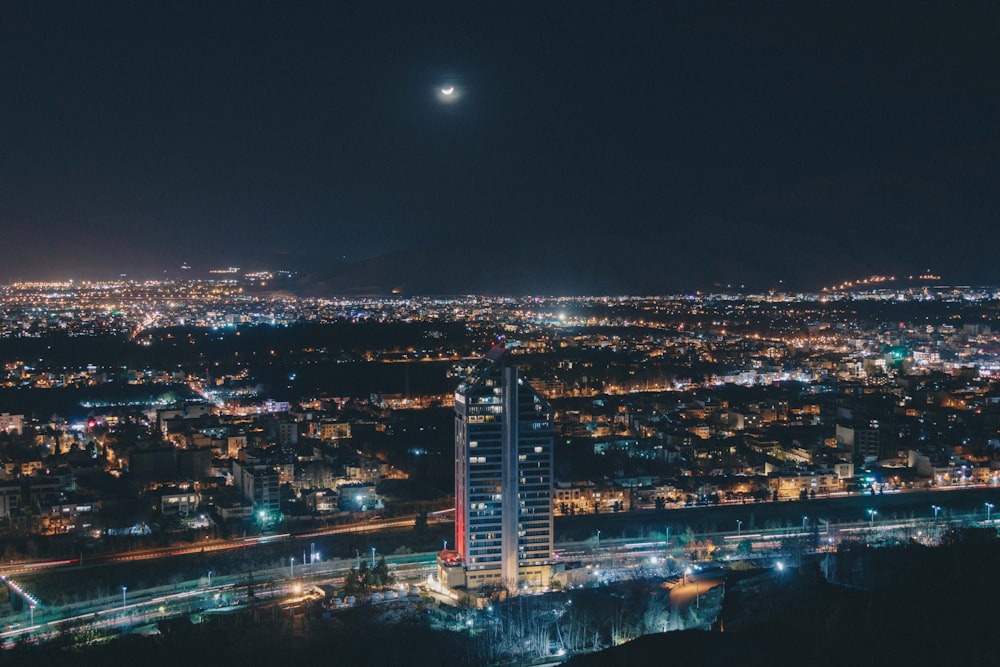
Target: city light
[(568, 291)]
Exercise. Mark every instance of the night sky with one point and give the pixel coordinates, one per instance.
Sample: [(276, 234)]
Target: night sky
[(755, 141)]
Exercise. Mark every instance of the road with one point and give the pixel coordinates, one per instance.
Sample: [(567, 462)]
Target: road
[(208, 546), (688, 591), (611, 556), (141, 607)]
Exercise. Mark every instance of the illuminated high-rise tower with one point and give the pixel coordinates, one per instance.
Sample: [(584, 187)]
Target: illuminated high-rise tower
[(503, 478)]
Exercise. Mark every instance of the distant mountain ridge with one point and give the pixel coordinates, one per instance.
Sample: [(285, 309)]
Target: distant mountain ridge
[(815, 233)]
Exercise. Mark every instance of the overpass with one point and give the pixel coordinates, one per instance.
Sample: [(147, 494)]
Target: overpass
[(18, 596)]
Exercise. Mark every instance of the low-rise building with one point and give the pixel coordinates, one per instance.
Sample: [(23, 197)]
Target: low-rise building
[(179, 503), (791, 487), (358, 498)]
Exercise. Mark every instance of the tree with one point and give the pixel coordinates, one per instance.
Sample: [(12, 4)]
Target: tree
[(381, 575), (970, 536), (352, 582), (687, 539)]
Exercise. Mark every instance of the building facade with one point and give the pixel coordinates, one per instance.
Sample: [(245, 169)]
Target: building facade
[(259, 484), (503, 478), (11, 423)]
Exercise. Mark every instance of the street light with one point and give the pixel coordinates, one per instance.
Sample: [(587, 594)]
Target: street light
[(31, 611), (989, 506), (598, 538), (373, 558), (124, 588), (872, 514), (936, 509), (209, 578), (697, 599), (291, 566), (805, 520), (739, 527)]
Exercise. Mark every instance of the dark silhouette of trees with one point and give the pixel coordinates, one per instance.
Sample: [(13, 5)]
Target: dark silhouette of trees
[(364, 578)]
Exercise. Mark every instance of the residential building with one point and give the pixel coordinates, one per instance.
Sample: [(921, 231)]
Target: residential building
[(258, 483)]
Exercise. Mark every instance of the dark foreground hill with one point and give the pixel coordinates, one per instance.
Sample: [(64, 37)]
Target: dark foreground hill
[(920, 606)]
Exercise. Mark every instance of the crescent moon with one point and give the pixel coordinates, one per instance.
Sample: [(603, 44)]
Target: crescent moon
[(448, 90)]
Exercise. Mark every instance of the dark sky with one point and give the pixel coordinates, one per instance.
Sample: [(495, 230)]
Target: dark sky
[(137, 135)]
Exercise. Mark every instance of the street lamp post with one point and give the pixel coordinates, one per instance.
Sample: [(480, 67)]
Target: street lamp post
[(209, 578), (989, 507), (739, 527), (598, 538), (871, 521), (373, 558), (936, 509), (31, 612), (697, 598), (124, 588), (291, 566), (805, 521)]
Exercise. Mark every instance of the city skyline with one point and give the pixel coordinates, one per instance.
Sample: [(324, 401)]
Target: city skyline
[(193, 454), (423, 333), (646, 149)]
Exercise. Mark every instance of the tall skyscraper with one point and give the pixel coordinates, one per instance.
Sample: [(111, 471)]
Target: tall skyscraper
[(503, 478)]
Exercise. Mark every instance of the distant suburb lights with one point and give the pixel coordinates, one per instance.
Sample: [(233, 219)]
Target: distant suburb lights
[(449, 93)]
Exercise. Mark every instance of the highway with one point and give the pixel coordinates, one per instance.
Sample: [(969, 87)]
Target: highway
[(612, 558), (228, 592), (160, 553)]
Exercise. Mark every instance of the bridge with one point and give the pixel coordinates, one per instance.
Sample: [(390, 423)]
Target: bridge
[(18, 596)]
